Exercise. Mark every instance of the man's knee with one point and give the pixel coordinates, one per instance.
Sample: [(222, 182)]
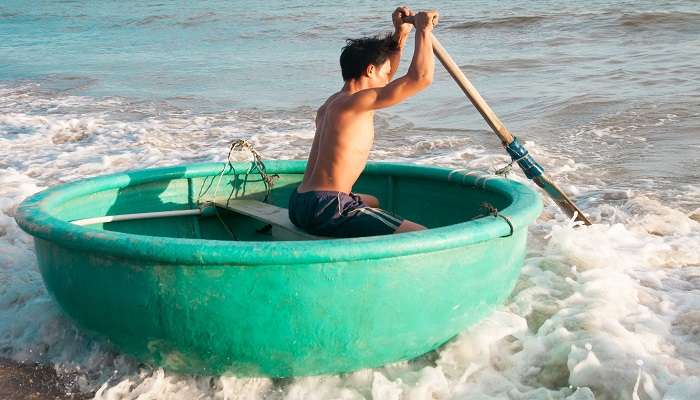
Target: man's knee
[(369, 200)]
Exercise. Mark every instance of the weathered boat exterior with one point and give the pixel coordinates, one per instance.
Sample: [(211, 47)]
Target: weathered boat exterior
[(176, 292)]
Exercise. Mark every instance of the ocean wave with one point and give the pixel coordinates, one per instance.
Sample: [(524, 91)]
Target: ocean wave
[(676, 21), (673, 20), (171, 20), (507, 65), (149, 20), (501, 22), (199, 19)]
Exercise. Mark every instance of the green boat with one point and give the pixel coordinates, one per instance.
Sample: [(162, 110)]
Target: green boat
[(193, 271)]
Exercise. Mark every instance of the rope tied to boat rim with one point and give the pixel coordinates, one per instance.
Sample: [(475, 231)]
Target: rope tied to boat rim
[(493, 211), (257, 166), (508, 168)]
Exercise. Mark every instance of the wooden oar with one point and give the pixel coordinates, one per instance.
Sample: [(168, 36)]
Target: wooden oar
[(516, 150)]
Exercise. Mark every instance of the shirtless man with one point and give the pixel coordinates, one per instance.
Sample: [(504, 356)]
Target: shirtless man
[(324, 204)]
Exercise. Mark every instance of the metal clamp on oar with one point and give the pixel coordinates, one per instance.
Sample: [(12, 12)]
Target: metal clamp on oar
[(516, 150)]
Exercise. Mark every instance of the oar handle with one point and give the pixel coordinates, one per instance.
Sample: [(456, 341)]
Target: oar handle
[(411, 19)]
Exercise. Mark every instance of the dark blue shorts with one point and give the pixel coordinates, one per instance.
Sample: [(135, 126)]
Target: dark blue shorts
[(338, 214)]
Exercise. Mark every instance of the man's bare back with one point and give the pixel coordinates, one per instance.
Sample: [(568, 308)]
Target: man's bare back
[(345, 127), (341, 145)]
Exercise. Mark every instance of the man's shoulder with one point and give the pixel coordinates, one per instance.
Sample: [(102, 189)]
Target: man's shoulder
[(347, 103), (329, 101)]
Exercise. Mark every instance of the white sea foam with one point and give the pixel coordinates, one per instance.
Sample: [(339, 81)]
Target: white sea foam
[(591, 301)]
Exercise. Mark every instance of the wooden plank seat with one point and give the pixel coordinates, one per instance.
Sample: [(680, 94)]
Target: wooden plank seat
[(278, 217)]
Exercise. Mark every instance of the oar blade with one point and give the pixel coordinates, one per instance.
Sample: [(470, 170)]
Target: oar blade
[(559, 197)]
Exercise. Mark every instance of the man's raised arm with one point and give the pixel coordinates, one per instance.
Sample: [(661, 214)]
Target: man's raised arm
[(418, 77), (401, 32)]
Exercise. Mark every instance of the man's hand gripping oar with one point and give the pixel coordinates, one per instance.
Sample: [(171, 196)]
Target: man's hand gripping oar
[(513, 146)]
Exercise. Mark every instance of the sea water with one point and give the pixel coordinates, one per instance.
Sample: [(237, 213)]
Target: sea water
[(606, 95)]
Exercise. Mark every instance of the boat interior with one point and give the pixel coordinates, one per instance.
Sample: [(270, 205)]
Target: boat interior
[(243, 207)]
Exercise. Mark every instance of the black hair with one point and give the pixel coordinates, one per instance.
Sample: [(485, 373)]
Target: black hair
[(359, 53)]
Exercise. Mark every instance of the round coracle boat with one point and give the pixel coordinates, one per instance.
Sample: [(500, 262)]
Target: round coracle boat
[(197, 269)]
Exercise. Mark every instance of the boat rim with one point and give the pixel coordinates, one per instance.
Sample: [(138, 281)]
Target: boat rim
[(34, 216)]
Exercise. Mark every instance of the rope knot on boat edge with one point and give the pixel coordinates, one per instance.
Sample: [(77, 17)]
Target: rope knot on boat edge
[(493, 211)]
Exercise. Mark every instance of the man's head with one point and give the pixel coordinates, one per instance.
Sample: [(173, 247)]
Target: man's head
[(369, 58)]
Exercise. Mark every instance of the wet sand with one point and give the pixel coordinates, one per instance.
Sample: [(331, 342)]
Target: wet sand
[(30, 381)]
